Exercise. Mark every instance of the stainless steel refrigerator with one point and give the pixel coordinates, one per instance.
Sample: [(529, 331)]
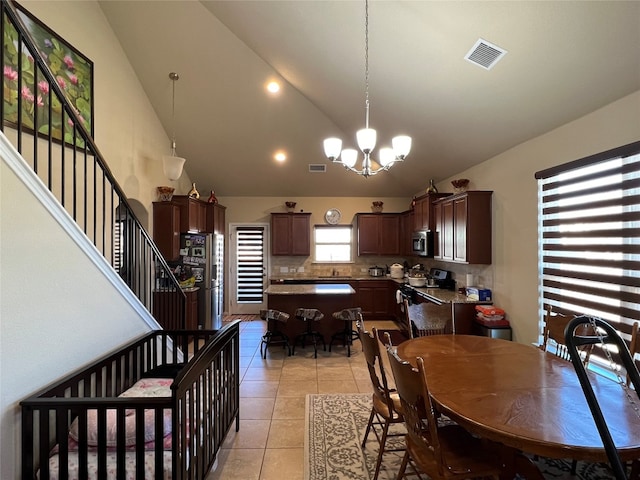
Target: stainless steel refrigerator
[(203, 257)]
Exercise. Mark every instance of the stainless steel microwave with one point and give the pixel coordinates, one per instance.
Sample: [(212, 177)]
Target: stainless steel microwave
[(422, 243)]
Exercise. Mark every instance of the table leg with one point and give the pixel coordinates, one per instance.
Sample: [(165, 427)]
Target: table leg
[(515, 462)]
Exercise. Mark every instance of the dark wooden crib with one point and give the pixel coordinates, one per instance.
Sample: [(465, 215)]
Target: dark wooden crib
[(202, 404)]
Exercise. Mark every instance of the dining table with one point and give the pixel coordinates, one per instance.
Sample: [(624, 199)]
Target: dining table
[(525, 399)]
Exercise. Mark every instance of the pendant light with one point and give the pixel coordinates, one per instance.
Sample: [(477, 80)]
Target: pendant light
[(173, 164), (366, 137)]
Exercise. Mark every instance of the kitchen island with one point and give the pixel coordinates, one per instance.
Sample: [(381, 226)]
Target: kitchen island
[(328, 298)]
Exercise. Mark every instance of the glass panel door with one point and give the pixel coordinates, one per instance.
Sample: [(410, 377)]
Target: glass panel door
[(249, 267)]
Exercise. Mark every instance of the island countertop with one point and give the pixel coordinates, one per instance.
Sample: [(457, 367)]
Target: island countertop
[(315, 289)]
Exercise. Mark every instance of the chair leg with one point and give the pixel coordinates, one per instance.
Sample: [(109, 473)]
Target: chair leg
[(369, 427), (403, 465), (383, 443)]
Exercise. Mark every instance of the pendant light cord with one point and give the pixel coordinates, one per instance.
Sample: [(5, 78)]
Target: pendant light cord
[(174, 77), (366, 62)]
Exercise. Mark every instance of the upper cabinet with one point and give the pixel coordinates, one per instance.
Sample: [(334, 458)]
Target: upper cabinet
[(406, 233), (291, 234), (166, 229), (216, 218), (193, 216), (423, 217), (378, 233), (463, 227), (184, 215)]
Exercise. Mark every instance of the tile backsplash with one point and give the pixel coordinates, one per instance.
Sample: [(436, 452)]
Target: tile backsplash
[(304, 267)]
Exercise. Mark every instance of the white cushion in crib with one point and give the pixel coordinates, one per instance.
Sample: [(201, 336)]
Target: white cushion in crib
[(148, 387)]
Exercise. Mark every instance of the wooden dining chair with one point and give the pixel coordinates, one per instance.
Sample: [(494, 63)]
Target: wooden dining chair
[(386, 403), (428, 318), (440, 451), (634, 345), (553, 336)]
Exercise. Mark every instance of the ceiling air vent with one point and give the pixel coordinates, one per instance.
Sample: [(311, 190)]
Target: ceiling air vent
[(485, 54), (317, 168)]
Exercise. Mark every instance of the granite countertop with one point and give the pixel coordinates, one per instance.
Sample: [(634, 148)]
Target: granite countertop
[(322, 289), (439, 295), (190, 289), (433, 294), (336, 279)]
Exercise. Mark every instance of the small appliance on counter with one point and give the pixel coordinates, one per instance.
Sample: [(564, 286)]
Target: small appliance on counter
[(442, 279), (376, 271), (396, 271)]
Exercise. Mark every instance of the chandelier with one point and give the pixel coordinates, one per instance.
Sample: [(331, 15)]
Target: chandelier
[(173, 164), (366, 137)]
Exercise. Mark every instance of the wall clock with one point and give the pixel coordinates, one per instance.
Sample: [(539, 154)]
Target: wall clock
[(332, 217)]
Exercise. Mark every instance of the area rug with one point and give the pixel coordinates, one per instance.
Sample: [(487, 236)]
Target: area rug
[(335, 426)]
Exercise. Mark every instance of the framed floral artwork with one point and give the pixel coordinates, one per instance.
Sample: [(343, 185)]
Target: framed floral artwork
[(72, 70)]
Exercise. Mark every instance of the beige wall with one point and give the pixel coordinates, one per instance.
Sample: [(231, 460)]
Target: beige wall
[(44, 275), (127, 130), (511, 176)]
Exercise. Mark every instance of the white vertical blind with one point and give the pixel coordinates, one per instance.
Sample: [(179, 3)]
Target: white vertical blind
[(589, 237), (250, 265)]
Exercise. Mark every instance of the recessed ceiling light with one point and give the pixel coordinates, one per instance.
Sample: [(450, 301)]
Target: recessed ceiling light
[(273, 87), (280, 156)]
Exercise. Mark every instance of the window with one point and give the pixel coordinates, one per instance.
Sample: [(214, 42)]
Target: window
[(589, 239), (332, 243)]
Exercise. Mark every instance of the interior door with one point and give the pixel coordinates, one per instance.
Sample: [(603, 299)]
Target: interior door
[(248, 247)]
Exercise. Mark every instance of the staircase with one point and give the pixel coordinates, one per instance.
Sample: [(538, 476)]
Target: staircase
[(50, 134)]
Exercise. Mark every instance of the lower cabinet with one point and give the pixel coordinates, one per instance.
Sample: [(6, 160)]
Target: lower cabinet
[(374, 298), (191, 316)]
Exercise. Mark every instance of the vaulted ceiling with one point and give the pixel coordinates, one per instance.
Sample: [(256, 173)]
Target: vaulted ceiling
[(564, 59)]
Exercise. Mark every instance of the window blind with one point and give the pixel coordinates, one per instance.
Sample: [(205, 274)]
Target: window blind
[(589, 239), (250, 265)]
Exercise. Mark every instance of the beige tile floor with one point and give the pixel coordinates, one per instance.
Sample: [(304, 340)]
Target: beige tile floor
[(270, 442)]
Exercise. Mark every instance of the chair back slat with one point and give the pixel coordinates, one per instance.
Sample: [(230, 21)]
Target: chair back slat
[(553, 336)]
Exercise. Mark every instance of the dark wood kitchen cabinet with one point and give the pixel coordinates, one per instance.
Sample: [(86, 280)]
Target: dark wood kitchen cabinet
[(423, 214), (193, 216), (378, 233), (374, 298), (166, 229), (406, 233), (291, 234), (216, 218), (191, 306), (184, 215), (463, 228)]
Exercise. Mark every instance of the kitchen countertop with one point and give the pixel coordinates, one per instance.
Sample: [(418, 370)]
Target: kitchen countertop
[(190, 289), (433, 294), (440, 296), (320, 289)]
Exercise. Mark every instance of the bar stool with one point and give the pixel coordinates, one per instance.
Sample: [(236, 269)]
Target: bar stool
[(274, 318), (309, 316), (347, 334)]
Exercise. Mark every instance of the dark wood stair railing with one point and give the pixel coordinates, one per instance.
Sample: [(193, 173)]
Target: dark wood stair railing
[(76, 173)]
